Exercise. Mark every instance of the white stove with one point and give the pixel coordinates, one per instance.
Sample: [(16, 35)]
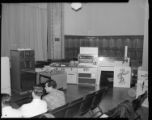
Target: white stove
[(87, 67)]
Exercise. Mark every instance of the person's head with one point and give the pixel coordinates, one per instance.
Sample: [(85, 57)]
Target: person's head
[(5, 99), (49, 85), (37, 91)]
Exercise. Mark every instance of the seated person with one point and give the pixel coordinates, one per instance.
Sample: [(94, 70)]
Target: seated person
[(36, 106), (7, 110), (55, 98)]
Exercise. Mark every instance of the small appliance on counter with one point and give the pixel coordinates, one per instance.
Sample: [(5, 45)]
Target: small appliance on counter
[(88, 56), (87, 60)]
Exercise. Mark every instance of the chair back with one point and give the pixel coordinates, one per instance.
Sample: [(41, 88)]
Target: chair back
[(47, 114), (86, 103), (98, 97), (138, 101), (122, 110), (61, 89), (74, 108), (47, 78), (60, 112)]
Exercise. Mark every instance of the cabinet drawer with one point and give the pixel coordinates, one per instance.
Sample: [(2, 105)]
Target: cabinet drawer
[(29, 54), (88, 75), (72, 78), (28, 80), (85, 80), (26, 54), (87, 70), (27, 64), (21, 54)]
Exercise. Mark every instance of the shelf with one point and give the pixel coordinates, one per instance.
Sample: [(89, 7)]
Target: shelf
[(86, 84), (86, 78)]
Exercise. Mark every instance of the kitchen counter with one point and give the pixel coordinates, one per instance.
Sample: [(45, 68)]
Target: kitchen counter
[(78, 66), (65, 66), (72, 71)]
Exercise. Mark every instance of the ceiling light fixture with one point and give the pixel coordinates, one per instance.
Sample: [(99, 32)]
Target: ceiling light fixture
[(76, 6)]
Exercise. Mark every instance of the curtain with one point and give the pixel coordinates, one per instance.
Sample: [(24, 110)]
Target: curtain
[(55, 31), (145, 46), (24, 25)]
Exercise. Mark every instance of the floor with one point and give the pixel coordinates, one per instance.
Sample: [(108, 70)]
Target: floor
[(113, 97)]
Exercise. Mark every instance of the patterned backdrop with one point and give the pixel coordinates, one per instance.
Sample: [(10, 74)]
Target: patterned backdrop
[(109, 46)]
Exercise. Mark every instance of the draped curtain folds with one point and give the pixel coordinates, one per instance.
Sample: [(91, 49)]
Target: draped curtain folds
[(55, 30), (24, 26), (145, 46)]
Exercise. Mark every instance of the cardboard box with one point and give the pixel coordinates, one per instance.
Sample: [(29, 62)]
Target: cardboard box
[(142, 75), (142, 85), (122, 76)]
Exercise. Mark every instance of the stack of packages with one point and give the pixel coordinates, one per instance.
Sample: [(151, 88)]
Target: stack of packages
[(142, 85)]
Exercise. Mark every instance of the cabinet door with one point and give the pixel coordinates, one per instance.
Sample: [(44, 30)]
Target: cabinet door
[(28, 80), (71, 78)]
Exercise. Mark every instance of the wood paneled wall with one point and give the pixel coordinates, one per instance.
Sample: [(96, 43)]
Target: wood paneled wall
[(109, 46)]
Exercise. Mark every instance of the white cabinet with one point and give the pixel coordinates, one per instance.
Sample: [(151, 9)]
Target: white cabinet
[(71, 75), (5, 75)]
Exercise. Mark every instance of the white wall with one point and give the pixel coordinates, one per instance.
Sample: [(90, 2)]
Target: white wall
[(105, 19)]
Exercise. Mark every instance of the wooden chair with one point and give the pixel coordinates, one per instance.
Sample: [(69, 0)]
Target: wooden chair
[(60, 112), (128, 109), (44, 115), (137, 104), (74, 108), (97, 100), (44, 76), (86, 104)]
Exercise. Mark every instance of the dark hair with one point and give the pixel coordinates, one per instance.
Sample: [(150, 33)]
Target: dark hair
[(5, 99), (51, 83), (38, 90)]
